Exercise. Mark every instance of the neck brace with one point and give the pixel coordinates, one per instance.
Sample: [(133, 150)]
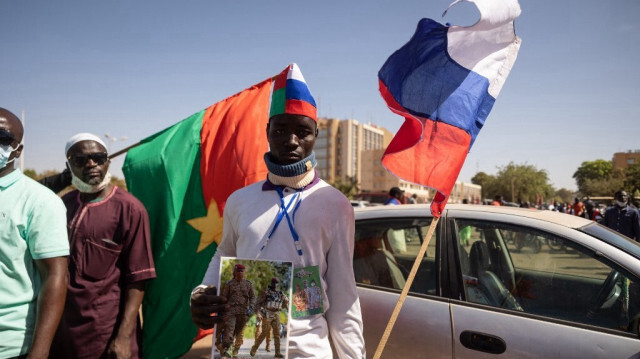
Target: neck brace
[(296, 175)]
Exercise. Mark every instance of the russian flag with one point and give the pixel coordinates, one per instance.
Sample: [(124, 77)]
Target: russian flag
[(444, 82), (291, 94)]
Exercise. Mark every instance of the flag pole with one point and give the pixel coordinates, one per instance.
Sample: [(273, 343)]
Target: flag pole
[(124, 150), (405, 289)]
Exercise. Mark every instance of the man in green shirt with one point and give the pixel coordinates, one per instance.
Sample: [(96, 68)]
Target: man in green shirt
[(33, 254)]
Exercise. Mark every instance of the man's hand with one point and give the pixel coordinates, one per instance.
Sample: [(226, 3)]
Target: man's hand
[(207, 307), (119, 348)]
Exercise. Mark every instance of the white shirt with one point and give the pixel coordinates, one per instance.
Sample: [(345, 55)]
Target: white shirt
[(325, 223)]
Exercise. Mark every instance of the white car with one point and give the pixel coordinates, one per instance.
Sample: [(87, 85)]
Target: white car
[(497, 282)]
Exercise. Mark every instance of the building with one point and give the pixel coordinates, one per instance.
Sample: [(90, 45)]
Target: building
[(622, 160), (348, 150), (469, 191), (340, 145)]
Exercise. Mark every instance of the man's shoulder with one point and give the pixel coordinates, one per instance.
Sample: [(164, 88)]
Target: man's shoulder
[(243, 193), (39, 193), (330, 192), (128, 200)]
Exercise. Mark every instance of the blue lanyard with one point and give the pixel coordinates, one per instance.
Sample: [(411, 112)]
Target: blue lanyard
[(283, 212)]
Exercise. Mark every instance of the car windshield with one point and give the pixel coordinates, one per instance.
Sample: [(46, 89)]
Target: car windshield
[(612, 237)]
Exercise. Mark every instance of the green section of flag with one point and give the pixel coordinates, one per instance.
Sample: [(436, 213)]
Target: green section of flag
[(277, 102), (164, 174)]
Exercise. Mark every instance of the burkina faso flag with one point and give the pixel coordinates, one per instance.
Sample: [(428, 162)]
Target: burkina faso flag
[(183, 176)]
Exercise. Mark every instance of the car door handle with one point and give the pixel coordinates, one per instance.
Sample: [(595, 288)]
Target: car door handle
[(483, 342)]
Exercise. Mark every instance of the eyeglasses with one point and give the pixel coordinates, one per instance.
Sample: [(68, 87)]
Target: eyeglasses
[(98, 158), (6, 137)]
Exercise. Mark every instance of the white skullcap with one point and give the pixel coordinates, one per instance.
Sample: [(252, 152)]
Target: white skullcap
[(82, 137)]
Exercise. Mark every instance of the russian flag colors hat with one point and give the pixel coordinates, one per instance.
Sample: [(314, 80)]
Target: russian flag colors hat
[(291, 95)]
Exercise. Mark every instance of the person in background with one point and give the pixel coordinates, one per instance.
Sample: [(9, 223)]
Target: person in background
[(33, 254), (591, 211), (109, 263), (497, 201), (623, 218), (413, 199), (396, 196)]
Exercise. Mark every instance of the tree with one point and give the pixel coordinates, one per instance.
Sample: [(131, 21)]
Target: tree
[(592, 177), (523, 182), (349, 187), (632, 180), (564, 195), (515, 182), (486, 181), (31, 173)]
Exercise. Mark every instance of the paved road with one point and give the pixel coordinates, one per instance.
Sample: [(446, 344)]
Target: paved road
[(202, 350)]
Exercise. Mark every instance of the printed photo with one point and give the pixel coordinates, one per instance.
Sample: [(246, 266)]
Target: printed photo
[(307, 293), (256, 323)]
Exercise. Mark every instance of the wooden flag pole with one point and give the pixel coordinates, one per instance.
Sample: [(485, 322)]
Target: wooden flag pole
[(124, 150), (405, 289)]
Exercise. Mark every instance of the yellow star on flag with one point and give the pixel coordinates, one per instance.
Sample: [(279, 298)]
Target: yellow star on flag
[(209, 226)]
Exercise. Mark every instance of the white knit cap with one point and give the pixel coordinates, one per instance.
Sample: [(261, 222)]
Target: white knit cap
[(82, 137)]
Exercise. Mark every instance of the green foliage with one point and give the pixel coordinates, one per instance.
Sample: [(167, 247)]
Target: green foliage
[(30, 173), (515, 182), (348, 187), (564, 195), (259, 273), (487, 182), (603, 187), (592, 177), (632, 181)]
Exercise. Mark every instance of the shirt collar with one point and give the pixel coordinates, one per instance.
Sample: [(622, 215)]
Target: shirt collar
[(10, 179), (268, 186)]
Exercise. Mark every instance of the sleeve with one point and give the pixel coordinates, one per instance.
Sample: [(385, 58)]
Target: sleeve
[(47, 230), (227, 247), (224, 291), (252, 299), (138, 259), (606, 218), (344, 317), (260, 302), (57, 182)]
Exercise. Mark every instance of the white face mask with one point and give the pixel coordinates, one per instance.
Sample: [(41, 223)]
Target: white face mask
[(621, 203), (90, 188), (5, 153)]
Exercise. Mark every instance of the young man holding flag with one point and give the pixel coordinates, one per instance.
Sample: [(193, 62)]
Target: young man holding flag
[(293, 216)]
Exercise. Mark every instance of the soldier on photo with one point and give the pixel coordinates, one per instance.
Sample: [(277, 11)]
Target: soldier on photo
[(272, 301), (240, 303), (259, 321)]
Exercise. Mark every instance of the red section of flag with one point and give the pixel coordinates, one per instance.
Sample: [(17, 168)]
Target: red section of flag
[(300, 107), (202, 333), (280, 80), (233, 143), (426, 152)]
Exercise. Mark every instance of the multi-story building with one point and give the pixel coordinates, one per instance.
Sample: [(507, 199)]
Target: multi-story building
[(347, 149), (340, 144), (622, 160)]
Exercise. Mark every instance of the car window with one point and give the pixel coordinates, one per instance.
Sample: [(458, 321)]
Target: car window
[(385, 250), (524, 269)]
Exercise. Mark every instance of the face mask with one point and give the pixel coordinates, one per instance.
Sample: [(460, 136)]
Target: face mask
[(5, 153), (90, 188), (621, 203)]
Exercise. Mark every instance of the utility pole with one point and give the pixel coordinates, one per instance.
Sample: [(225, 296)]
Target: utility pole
[(23, 135)]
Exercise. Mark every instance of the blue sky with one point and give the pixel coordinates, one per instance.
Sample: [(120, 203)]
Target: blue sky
[(132, 68)]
